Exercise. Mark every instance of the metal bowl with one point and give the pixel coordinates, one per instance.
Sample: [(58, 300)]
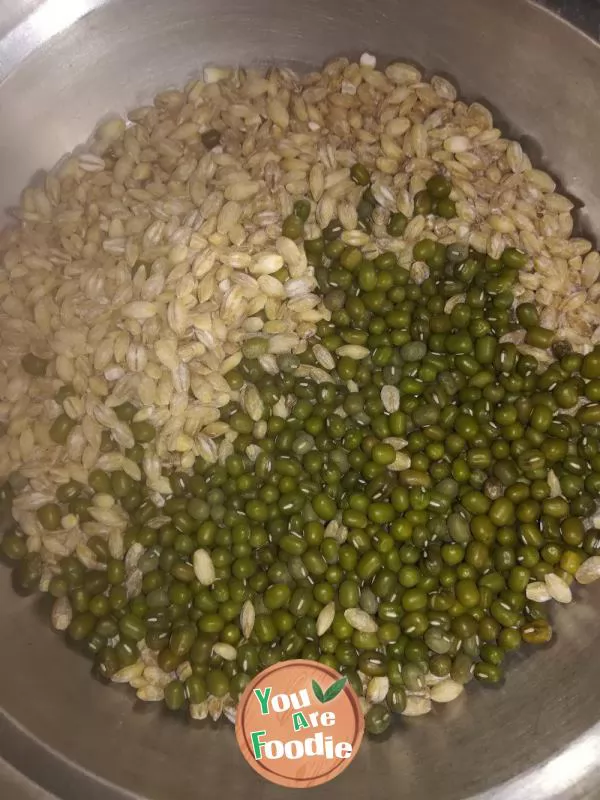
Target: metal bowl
[(65, 64)]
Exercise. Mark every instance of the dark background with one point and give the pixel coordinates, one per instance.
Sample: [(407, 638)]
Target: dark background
[(585, 14)]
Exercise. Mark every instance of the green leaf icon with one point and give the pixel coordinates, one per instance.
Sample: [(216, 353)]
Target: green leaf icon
[(334, 690), (318, 692), (329, 694)]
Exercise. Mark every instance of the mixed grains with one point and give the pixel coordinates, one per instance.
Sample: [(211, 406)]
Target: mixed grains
[(147, 266)]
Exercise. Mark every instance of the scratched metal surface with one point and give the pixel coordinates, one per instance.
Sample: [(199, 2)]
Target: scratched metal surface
[(585, 14)]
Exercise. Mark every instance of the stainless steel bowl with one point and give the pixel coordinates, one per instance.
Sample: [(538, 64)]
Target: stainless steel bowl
[(66, 63)]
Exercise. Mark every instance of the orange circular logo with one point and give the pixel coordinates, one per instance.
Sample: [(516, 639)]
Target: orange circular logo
[(299, 723)]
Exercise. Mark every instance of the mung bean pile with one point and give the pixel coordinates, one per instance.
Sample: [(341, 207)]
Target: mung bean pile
[(398, 477)]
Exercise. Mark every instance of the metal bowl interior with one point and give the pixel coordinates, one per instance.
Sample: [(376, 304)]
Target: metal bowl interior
[(63, 66)]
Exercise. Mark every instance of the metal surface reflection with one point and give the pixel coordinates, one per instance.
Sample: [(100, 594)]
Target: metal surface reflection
[(47, 20)]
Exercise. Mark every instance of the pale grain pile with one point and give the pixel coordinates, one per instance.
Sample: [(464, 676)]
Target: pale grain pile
[(142, 264)]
